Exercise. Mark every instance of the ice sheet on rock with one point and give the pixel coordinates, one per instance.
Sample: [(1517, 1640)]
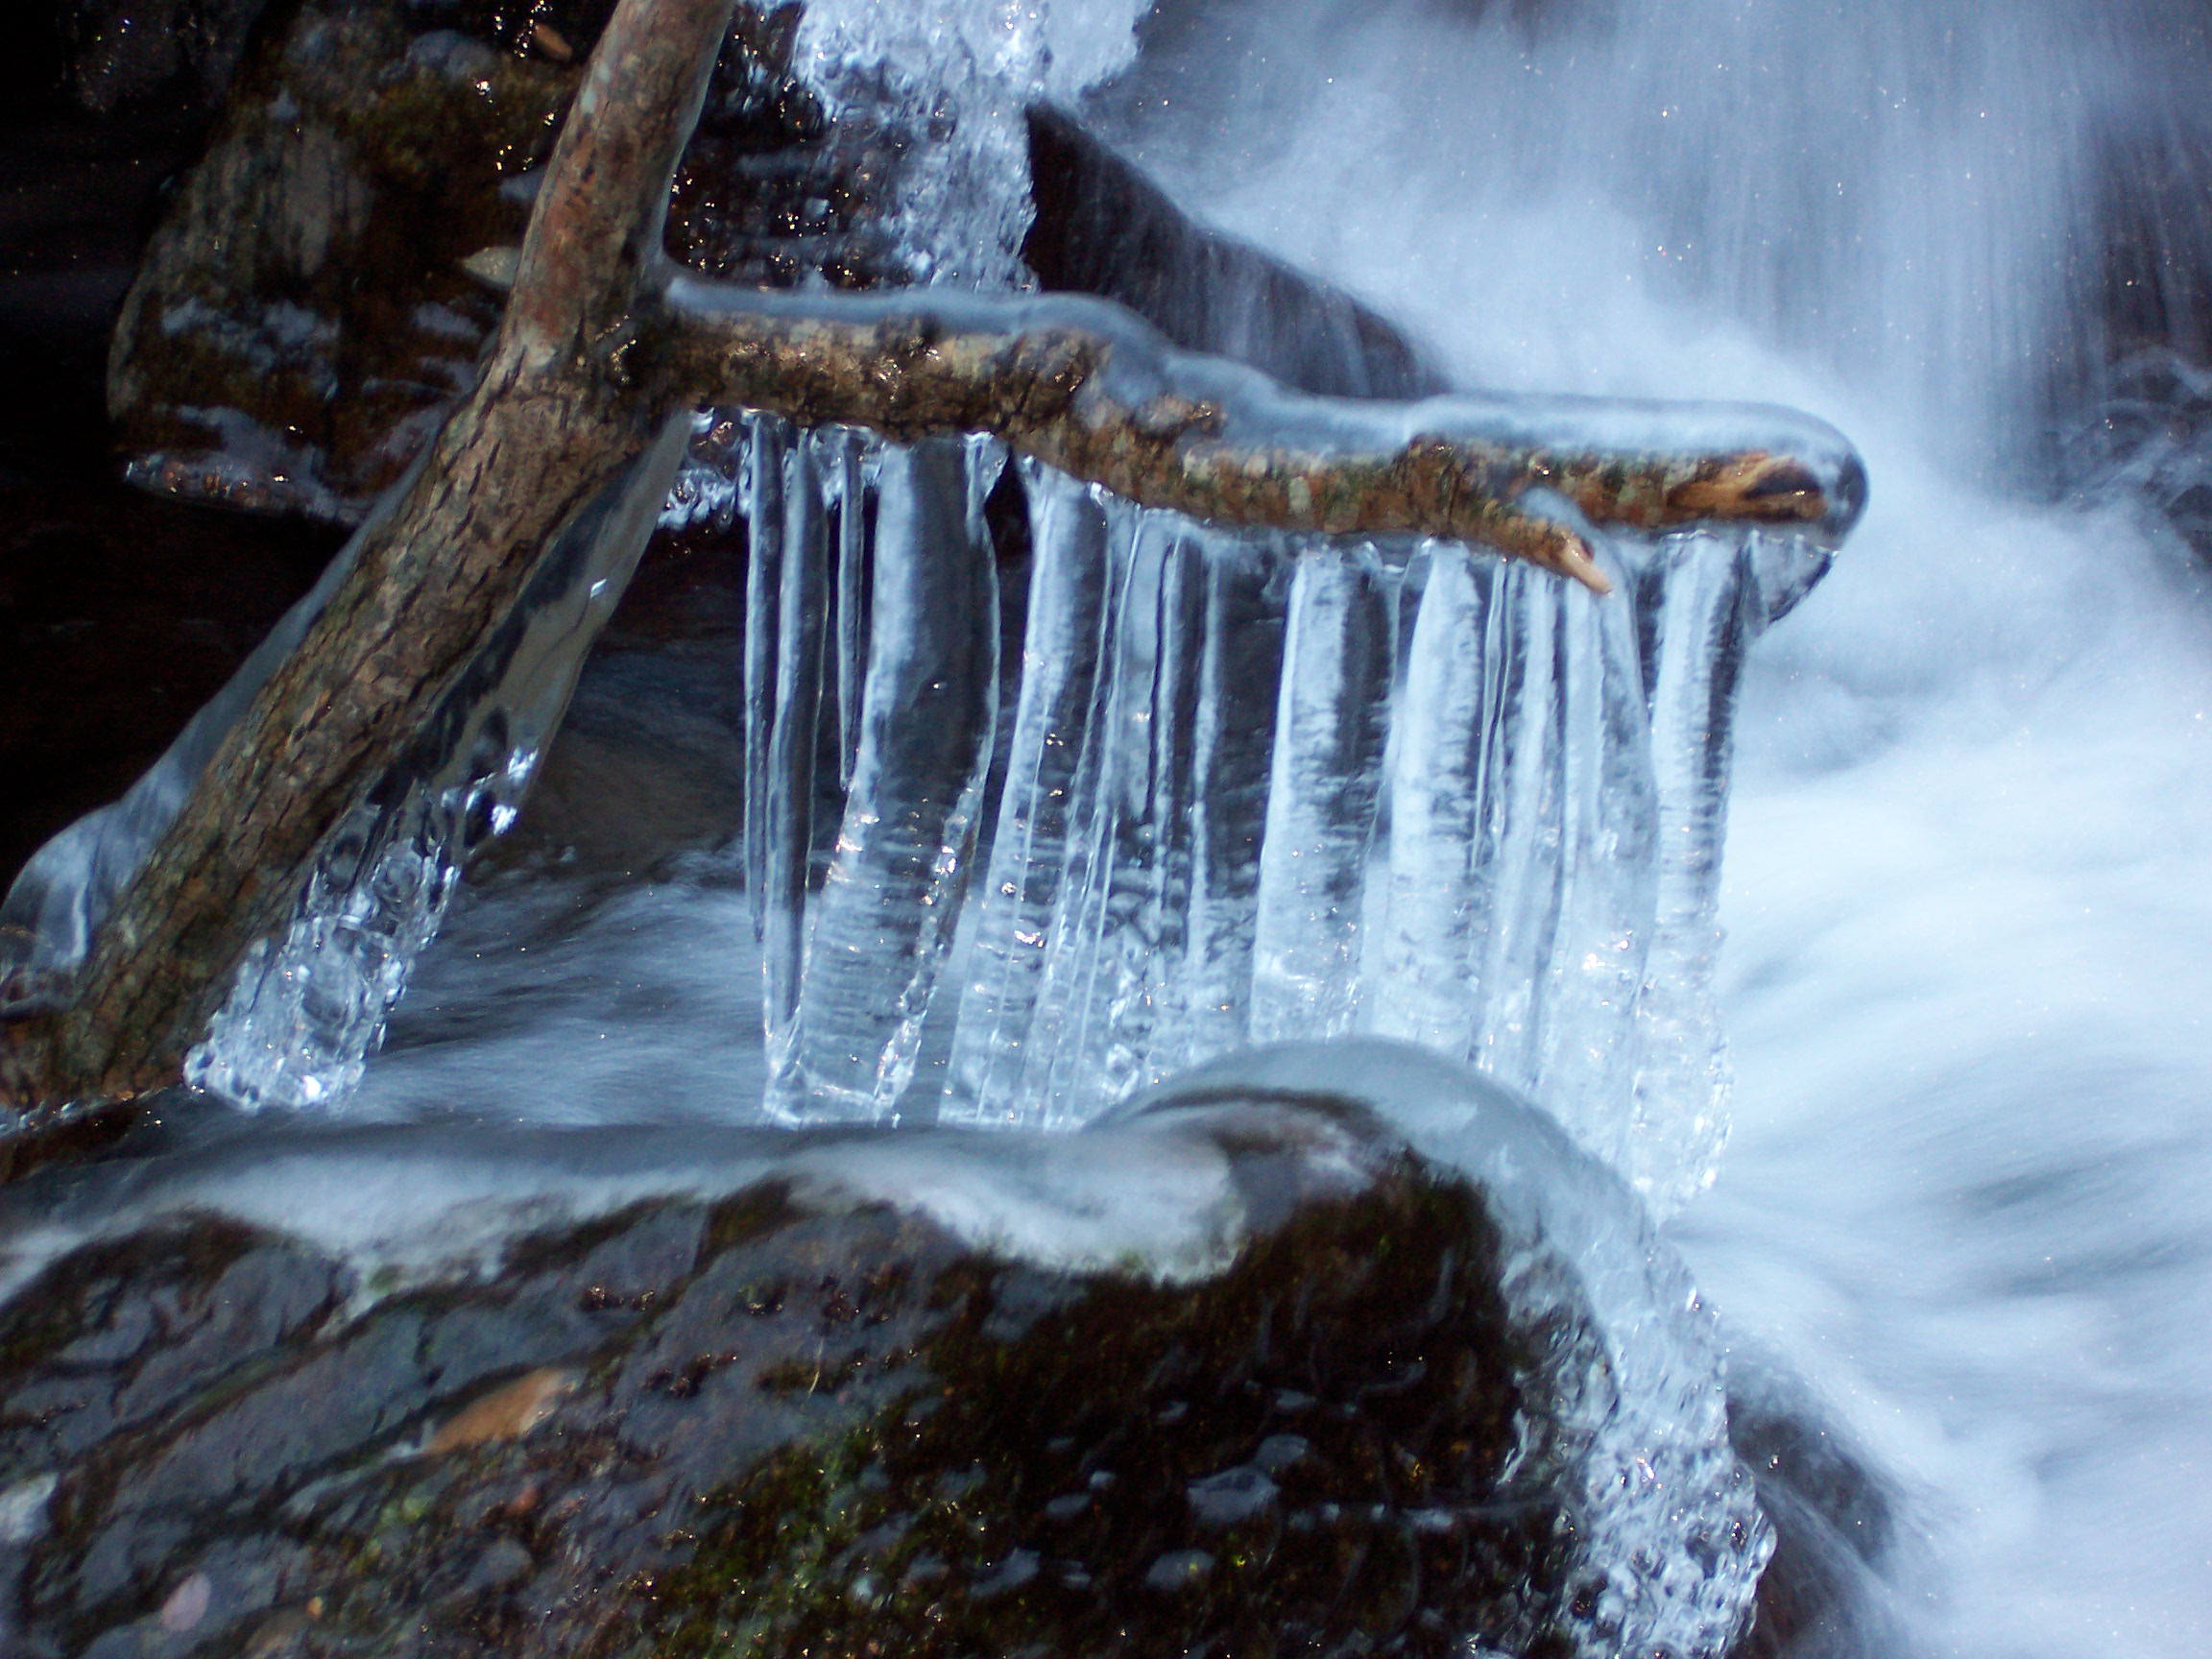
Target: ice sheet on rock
[(309, 1006), (1632, 1358)]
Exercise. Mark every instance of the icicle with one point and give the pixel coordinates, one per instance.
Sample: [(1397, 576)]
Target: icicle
[(1704, 602), (1117, 940), (1338, 660), (1058, 1082), (1608, 835), (855, 477), (787, 810), (309, 1006), (891, 898), (1441, 760), (1246, 582), (1518, 823), (1521, 836), (1150, 799), (760, 487), (1030, 850)]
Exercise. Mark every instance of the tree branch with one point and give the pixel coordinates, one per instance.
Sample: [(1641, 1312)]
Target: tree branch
[(1090, 388)]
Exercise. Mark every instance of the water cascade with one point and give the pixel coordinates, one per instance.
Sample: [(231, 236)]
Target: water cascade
[(1964, 983)]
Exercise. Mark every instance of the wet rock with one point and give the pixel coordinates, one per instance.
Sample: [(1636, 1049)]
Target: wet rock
[(836, 1411), (132, 51), (1103, 227), (321, 289), (302, 317), (1830, 1591)]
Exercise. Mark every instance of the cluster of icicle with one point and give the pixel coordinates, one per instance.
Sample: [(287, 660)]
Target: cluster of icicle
[(1235, 786), (1239, 787)]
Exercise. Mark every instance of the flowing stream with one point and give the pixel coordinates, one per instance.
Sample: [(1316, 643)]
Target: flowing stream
[(1965, 980)]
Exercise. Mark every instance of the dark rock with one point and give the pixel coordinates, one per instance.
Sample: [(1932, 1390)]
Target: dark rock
[(798, 1418), (316, 299), (133, 50), (302, 318), (318, 295), (1829, 1591), (1103, 227)]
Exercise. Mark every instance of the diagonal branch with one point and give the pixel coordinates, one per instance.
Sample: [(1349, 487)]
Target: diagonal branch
[(550, 425)]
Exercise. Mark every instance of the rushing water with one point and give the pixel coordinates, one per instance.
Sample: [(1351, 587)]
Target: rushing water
[(1965, 980)]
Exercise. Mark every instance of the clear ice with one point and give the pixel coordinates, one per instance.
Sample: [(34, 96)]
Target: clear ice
[(1224, 787), (1250, 787), (308, 1007)]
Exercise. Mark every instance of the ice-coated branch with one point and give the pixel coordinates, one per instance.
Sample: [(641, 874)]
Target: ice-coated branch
[(1087, 386)]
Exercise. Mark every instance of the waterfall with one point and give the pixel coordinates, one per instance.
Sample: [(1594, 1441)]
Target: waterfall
[(1034, 822)]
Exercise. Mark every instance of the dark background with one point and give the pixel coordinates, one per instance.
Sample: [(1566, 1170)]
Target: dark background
[(120, 613)]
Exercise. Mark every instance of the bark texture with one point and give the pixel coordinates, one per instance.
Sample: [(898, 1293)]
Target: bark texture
[(1088, 387)]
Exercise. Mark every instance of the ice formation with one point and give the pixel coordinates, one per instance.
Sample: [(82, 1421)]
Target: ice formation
[(308, 1007), (1235, 786), (1253, 786), (1250, 786)]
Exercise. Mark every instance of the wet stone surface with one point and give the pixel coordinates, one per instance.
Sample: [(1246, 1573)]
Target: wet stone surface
[(788, 1421)]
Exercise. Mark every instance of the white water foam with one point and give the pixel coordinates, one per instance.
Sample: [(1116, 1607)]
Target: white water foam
[(1966, 883)]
